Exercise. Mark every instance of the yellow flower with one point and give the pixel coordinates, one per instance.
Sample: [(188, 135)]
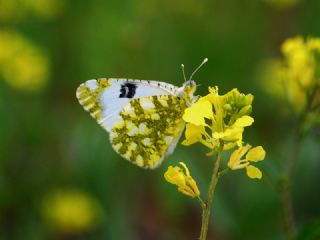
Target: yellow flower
[(185, 183), (22, 64), (218, 121), (296, 75), (234, 132), (218, 117), (253, 172), (300, 61), (197, 113), (71, 211), (313, 44), (193, 134), (291, 45), (255, 154)]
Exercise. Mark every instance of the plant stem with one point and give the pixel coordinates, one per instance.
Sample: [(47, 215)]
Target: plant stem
[(201, 202), (287, 211), (223, 172), (208, 203)]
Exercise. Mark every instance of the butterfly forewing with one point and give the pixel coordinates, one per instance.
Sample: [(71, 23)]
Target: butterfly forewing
[(104, 98)]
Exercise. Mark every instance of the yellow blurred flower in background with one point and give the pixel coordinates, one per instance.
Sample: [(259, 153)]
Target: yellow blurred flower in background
[(71, 211), (296, 75), (182, 178), (302, 59), (23, 65)]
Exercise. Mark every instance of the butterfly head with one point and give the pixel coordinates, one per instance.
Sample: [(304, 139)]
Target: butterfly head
[(189, 87), (187, 90)]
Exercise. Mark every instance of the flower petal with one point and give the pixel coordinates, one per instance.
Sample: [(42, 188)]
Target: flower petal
[(185, 168), (244, 121), (174, 175), (228, 146), (197, 112), (253, 172), (185, 183), (193, 134), (230, 134), (235, 161), (256, 154)]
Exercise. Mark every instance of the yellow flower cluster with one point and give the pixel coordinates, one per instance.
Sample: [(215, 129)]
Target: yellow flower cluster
[(218, 122), (22, 64), (301, 67), (215, 117), (71, 211), (297, 75), (183, 180)]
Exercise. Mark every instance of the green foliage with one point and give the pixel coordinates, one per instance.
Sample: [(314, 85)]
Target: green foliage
[(310, 231)]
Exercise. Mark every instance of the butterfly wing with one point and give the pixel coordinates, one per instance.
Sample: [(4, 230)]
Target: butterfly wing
[(104, 98), (148, 129)]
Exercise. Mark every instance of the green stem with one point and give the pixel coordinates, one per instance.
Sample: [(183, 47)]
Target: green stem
[(207, 206), (288, 215), (201, 202), (223, 172), (287, 212)]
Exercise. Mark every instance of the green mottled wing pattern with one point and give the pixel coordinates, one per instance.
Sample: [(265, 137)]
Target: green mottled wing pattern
[(148, 129)]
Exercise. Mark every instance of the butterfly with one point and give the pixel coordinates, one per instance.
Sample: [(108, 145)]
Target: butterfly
[(143, 117)]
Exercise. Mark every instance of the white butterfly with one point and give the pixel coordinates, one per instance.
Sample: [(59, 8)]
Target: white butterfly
[(143, 117)]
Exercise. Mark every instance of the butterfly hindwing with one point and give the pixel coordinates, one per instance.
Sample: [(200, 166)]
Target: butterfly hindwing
[(104, 98), (148, 129)]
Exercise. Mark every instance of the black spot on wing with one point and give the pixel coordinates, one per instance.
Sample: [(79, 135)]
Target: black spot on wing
[(127, 90)]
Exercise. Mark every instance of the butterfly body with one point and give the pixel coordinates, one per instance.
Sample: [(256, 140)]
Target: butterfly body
[(143, 117)]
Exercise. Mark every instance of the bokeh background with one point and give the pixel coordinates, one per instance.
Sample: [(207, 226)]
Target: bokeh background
[(60, 178)]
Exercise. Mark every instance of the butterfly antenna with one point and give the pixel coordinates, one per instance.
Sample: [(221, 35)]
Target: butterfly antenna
[(184, 75), (201, 64)]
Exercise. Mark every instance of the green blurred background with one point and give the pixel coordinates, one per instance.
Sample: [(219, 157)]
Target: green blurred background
[(60, 178)]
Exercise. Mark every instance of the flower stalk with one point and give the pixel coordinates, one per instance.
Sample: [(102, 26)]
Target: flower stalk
[(287, 210), (213, 183)]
